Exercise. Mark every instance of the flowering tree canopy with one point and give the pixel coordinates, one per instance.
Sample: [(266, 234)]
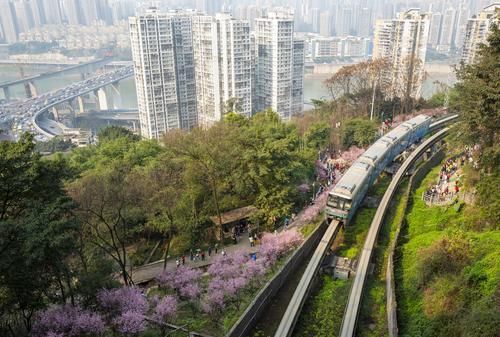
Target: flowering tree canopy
[(67, 321), (121, 300), (184, 280), (165, 309), (352, 154)]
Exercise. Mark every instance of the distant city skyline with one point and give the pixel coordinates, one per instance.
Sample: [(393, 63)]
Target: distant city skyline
[(327, 18)]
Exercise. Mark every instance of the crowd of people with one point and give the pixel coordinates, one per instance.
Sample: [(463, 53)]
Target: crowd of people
[(448, 184)]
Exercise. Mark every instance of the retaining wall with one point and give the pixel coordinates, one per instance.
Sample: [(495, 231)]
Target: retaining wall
[(258, 306)]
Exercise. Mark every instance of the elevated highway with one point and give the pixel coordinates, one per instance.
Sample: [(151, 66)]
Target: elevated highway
[(29, 82), (79, 89), (26, 116)]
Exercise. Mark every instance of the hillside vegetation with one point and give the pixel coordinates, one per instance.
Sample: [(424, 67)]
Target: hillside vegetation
[(448, 268)]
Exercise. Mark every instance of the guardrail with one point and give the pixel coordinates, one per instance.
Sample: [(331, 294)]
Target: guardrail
[(351, 313), (299, 297)]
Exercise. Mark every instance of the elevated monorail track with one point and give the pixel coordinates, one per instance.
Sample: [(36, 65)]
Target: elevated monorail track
[(300, 295), (354, 302)]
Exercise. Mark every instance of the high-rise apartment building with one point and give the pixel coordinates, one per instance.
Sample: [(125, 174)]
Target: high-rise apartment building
[(223, 68), (325, 24), (435, 29), (52, 11), (23, 15), (461, 26), (8, 22), (280, 64), (403, 41), (477, 31), (447, 30), (162, 51), (73, 12)]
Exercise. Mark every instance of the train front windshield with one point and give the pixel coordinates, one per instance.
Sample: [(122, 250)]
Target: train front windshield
[(336, 202)]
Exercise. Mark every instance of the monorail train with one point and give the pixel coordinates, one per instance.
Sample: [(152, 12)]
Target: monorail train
[(348, 193)]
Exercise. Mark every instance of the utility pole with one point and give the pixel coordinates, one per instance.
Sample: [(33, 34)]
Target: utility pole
[(373, 99)]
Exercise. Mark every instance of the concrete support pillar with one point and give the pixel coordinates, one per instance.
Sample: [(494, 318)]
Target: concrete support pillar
[(55, 112), (102, 99), (33, 89), (81, 107), (6, 93), (116, 95)]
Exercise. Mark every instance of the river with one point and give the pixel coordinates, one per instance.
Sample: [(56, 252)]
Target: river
[(313, 84)]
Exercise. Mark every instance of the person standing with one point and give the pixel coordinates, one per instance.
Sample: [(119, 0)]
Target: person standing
[(203, 256), (177, 262), (216, 247), (183, 259), (209, 250)]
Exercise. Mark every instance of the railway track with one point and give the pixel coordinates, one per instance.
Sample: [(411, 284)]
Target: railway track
[(352, 309), (294, 308)]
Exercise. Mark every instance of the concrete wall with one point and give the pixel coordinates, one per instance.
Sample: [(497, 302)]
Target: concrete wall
[(415, 179), (258, 306)]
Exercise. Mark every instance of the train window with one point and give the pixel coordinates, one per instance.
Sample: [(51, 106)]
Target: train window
[(333, 202)]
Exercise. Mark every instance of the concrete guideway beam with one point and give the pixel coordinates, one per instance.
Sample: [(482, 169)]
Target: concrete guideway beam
[(299, 297), (353, 305)]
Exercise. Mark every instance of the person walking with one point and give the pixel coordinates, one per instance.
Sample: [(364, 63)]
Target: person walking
[(183, 259), (177, 262), (251, 241), (191, 256), (223, 252), (216, 247), (203, 256), (209, 250)]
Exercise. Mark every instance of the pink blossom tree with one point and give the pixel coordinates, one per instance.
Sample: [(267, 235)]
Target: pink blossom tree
[(165, 309), (352, 154), (68, 321), (126, 309), (183, 280), (275, 246)]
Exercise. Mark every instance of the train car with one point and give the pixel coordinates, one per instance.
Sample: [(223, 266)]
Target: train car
[(348, 194), (342, 199)]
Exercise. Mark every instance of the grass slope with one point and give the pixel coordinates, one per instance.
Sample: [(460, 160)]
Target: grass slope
[(462, 296)]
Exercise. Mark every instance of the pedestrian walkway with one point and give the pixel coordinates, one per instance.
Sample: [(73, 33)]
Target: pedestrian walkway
[(150, 271)]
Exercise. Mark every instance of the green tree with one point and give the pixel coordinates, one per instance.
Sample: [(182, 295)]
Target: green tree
[(37, 235), (113, 132), (162, 191), (108, 209), (478, 101), (359, 132), (271, 164)]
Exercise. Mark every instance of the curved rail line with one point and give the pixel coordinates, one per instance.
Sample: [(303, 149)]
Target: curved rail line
[(294, 308), (353, 305), (300, 295)]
